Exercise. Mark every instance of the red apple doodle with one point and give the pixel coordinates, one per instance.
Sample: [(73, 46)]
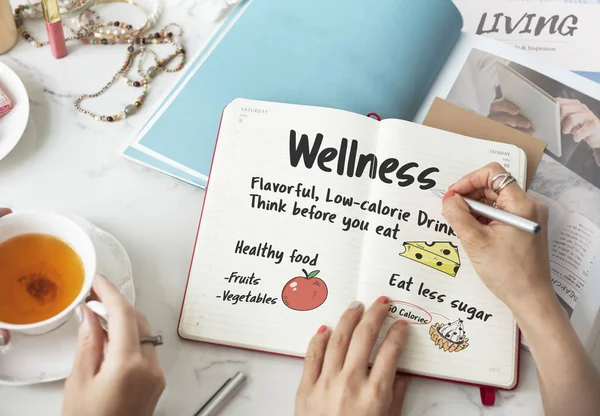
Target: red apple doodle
[(304, 293)]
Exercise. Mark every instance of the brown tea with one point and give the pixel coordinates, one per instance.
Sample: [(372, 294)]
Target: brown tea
[(40, 276)]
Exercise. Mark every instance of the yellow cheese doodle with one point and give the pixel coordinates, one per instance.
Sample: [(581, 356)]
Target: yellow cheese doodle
[(442, 256)]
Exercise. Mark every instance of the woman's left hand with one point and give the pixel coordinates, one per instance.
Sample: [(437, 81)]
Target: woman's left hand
[(337, 380), (113, 375)]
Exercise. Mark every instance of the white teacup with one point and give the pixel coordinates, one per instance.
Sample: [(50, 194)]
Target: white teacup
[(31, 222)]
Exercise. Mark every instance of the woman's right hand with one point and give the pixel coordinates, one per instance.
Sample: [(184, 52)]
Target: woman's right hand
[(512, 263)]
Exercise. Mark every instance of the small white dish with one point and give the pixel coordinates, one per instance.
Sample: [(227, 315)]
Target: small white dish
[(36, 359), (12, 125)]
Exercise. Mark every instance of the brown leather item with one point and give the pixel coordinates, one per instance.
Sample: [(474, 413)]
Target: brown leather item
[(444, 115)]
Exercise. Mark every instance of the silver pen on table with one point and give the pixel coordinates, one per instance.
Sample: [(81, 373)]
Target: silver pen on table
[(222, 396), (499, 215)]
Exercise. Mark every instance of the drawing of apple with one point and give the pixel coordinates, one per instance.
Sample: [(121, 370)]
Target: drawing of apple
[(304, 293)]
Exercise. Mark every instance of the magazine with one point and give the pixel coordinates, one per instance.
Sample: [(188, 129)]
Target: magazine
[(514, 88), (564, 33)]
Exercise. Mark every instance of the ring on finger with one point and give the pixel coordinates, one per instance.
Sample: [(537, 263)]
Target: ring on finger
[(502, 176), (152, 339), (504, 184), (507, 179), (494, 204)]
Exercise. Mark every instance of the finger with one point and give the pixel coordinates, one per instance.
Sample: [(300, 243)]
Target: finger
[(504, 106), (90, 345), (584, 132), (337, 347), (5, 211), (516, 121), (4, 337), (457, 213), (528, 131), (386, 362), (123, 332), (148, 350), (479, 180), (365, 336), (574, 120), (562, 101), (485, 195), (313, 360), (511, 198), (400, 386), (568, 109)]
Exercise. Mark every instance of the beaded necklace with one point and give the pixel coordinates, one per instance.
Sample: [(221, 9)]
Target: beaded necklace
[(95, 32)]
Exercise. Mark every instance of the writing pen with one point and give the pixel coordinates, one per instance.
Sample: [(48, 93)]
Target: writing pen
[(222, 396), (499, 215)]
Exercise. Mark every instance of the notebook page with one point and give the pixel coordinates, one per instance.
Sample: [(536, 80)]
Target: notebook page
[(272, 306), (435, 288)]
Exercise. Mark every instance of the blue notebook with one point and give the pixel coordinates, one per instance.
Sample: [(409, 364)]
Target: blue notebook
[(380, 56)]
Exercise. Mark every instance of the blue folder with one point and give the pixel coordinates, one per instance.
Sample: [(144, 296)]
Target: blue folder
[(378, 56)]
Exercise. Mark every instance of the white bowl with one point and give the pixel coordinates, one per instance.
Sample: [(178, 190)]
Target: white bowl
[(12, 125)]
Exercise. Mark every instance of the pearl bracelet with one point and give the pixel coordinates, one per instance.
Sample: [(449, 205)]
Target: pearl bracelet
[(118, 30)]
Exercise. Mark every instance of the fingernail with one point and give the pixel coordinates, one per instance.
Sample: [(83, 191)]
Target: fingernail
[(448, 194), (450, 187), (322, 329), (383, 299), (79, 314), (2, 340), (401, 322), (355, 305)]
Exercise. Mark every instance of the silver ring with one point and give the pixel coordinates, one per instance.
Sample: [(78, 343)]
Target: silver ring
[(504, 184), (507, 179), (153, 339), (503, 175), (494, 204)]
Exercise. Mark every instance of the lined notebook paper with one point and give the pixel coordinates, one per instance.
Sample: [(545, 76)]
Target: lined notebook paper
[(309, 209)]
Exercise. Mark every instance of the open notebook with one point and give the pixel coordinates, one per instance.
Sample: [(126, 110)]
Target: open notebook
[(309, 209)]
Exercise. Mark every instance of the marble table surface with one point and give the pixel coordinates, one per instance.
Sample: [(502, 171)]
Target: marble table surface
[(68, 162)]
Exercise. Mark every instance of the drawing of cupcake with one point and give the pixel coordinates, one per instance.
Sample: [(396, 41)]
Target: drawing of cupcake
[(450, 337)]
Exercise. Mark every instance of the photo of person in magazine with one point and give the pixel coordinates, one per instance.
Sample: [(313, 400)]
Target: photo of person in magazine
[(479, 88)]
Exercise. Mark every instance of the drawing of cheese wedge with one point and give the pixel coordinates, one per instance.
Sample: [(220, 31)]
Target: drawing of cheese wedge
[(442, 256)]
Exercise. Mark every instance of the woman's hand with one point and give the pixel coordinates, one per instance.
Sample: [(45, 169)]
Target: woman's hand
[(4, 334), (114, 375), (578, 120), (505, 112), (337, 380), (512, 263)]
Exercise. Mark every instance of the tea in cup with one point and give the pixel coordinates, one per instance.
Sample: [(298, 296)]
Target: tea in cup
[(47, 265)]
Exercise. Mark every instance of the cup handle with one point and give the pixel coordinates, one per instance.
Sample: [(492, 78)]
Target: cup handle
[(7, 346), (100, 311), (2, 206)]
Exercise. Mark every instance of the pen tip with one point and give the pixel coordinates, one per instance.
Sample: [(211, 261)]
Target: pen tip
[(537, 229)]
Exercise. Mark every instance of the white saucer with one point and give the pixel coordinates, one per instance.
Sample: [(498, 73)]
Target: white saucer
[(49, 357), (12, 125)]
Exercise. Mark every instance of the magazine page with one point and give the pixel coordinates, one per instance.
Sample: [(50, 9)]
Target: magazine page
[(563, 33), (520, 90)]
